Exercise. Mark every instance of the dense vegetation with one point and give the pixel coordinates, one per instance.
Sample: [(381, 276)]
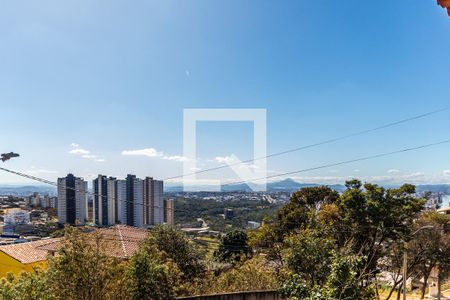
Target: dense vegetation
[(187, 211), (320, 246)]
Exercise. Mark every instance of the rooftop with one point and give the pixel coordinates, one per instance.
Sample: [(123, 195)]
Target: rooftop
[(120, 241), (444, 210), (28, 253)]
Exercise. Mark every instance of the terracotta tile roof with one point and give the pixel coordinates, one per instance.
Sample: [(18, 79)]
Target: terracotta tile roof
[(29, 252), (122, 241), (52, 246), (119, 241)]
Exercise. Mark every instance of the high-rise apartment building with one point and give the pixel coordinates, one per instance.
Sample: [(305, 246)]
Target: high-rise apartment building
[(105, 200), (153, 201), (72, 200), (133, 201), (121, 192), (169, 212)]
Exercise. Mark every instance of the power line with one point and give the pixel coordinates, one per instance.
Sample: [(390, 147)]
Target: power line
[(72, 189), (340, 230), (329, 141), (345, 162), (35, 178), (257, 179), (29, 176)]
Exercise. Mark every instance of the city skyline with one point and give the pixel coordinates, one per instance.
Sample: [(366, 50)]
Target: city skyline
[(134, 69), (131, 201), (198, 149)]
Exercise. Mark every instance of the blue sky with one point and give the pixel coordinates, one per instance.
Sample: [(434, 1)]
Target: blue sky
[(109, 76)]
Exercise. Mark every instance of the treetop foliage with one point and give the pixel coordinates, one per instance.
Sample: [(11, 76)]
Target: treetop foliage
[(321, 246)]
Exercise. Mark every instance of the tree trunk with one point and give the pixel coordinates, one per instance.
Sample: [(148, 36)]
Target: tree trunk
[(376, 288), (399, 292), (439, 286), (426, 276), (424, 287), (392, 290)]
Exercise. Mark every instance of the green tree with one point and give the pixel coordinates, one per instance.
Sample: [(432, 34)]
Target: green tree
[(233, 247), (265, 240), (343, 282), (26, 286), (431, 246), (251, 275), (148, 279), (297, 212), (177, 247), (372, 217), (296, 288), (82, 270), (309, 253), (365, 220)]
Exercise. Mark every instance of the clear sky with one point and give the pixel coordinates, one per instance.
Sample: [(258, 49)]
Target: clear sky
[(83, 81)]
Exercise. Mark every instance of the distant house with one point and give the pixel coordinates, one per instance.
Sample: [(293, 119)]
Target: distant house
[(23, 257), (228, 213), (445, 210), (253, 225)]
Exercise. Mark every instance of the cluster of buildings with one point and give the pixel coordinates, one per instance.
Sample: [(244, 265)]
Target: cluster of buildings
[(16, 217), (131, 201), (23, 225), (13, 218), (24, 217), (37, 200), (435, 200), (269, 196)]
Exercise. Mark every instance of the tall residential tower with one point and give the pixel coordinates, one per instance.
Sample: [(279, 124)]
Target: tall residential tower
[(153, 201), (133, 201), (105, 204), (72, 200)]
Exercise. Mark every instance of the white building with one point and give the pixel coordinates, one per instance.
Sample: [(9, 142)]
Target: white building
[(72, 200), (16, 217), (45, 202), (253, 225), (35, 200)]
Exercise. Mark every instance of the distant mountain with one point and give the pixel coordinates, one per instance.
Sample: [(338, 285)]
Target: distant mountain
[(286, 185), (290, 185), (202, 188), (435, 188), (242, 187)]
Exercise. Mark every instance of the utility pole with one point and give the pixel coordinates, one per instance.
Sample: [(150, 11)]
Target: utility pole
[(405, 266), (438, 283)]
